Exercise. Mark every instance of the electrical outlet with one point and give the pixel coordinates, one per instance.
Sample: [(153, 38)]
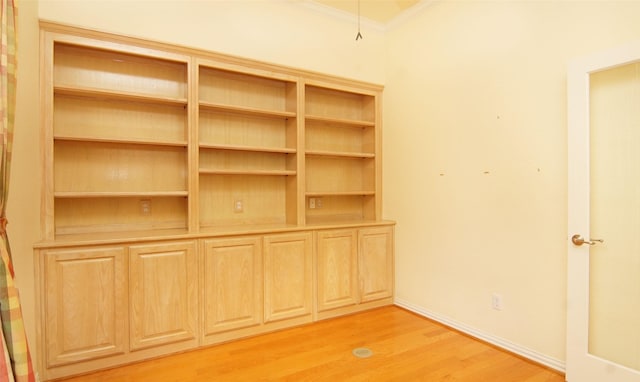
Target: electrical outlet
[(238, 206), (145, 207), (496, 301), (312, 203), (318, 202)]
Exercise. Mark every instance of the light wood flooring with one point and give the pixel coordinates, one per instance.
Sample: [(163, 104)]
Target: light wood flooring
[(405, 346)]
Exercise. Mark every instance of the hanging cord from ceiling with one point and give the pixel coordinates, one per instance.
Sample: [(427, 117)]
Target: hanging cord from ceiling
[(359, 35)]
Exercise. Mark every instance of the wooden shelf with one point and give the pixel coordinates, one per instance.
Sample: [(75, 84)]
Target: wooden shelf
[(340, 121), (339, 154), (118, 95), (247, 148), (248, 172), (243, 110), (123, 122), (121, 140), (339, 193), (108, 194)]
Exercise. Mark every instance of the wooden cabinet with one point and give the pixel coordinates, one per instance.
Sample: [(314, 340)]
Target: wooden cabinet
[(184, 191), (85, 304), (337, 264), (255, 284), (375, 261), (107, 305), (163, 281), (232, 287), (288, 276), (355, 270)]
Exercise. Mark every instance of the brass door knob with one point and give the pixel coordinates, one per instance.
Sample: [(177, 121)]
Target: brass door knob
[(578, 240)]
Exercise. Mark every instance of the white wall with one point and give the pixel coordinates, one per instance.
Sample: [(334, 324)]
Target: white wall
[(475, 159), (474, 135)]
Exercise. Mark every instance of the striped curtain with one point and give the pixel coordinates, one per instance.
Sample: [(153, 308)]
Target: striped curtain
[(15, 360)]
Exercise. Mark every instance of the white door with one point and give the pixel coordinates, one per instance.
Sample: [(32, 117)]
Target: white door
[(603, 284)]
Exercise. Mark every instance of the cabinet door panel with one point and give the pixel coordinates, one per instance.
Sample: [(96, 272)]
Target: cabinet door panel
[(85, 304), (337, 269), (163, 290), (376, 263), (288, 272), (232, 272)]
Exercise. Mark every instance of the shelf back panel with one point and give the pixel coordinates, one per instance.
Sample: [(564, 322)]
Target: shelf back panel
[(334, 175), (264, 199), (116, 214), (337, 104), (109, 167), (327, 137), (243, 130), (243, 161), (102, 119), (85, 67), (337, 208), (238, 89)]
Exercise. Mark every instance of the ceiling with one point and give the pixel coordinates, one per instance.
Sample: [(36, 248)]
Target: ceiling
[(381, 11)]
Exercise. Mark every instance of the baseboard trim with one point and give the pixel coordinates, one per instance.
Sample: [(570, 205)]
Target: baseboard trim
[(522, 351)]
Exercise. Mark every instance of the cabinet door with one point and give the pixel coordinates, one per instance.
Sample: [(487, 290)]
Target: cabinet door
[(376, 263), (337, 266), (163, 293), (85, 292), (287, 272), (232, 290)]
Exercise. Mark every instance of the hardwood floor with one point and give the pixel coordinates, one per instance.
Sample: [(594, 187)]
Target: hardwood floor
[(405, 346)]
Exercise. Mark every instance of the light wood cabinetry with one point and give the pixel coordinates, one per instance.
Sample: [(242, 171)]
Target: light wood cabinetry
[(191, 198), (375, 260), (337, 264), (163, 290), (342, 154), (255, 284), (85, 304), (116, 137), (248, 143), (288, 276), (355, 270), (232, 288)]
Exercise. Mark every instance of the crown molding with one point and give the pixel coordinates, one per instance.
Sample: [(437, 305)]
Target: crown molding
[(409, 13)]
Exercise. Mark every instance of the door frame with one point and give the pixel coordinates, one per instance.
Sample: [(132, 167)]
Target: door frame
[(580, 365)]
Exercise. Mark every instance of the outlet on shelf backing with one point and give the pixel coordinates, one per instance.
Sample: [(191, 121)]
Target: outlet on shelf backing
[(238, 206), (145, 207)]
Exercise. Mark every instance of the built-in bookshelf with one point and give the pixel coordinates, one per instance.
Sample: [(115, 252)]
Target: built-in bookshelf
[(192, 198), (141, 140), (247, 147)]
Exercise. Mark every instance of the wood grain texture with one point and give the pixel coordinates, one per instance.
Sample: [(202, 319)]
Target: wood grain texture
[(95, 68), (232, 285), (287, 276), (375, 250), (163, 293), (85, 304), (406, 347), (337, 267)]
